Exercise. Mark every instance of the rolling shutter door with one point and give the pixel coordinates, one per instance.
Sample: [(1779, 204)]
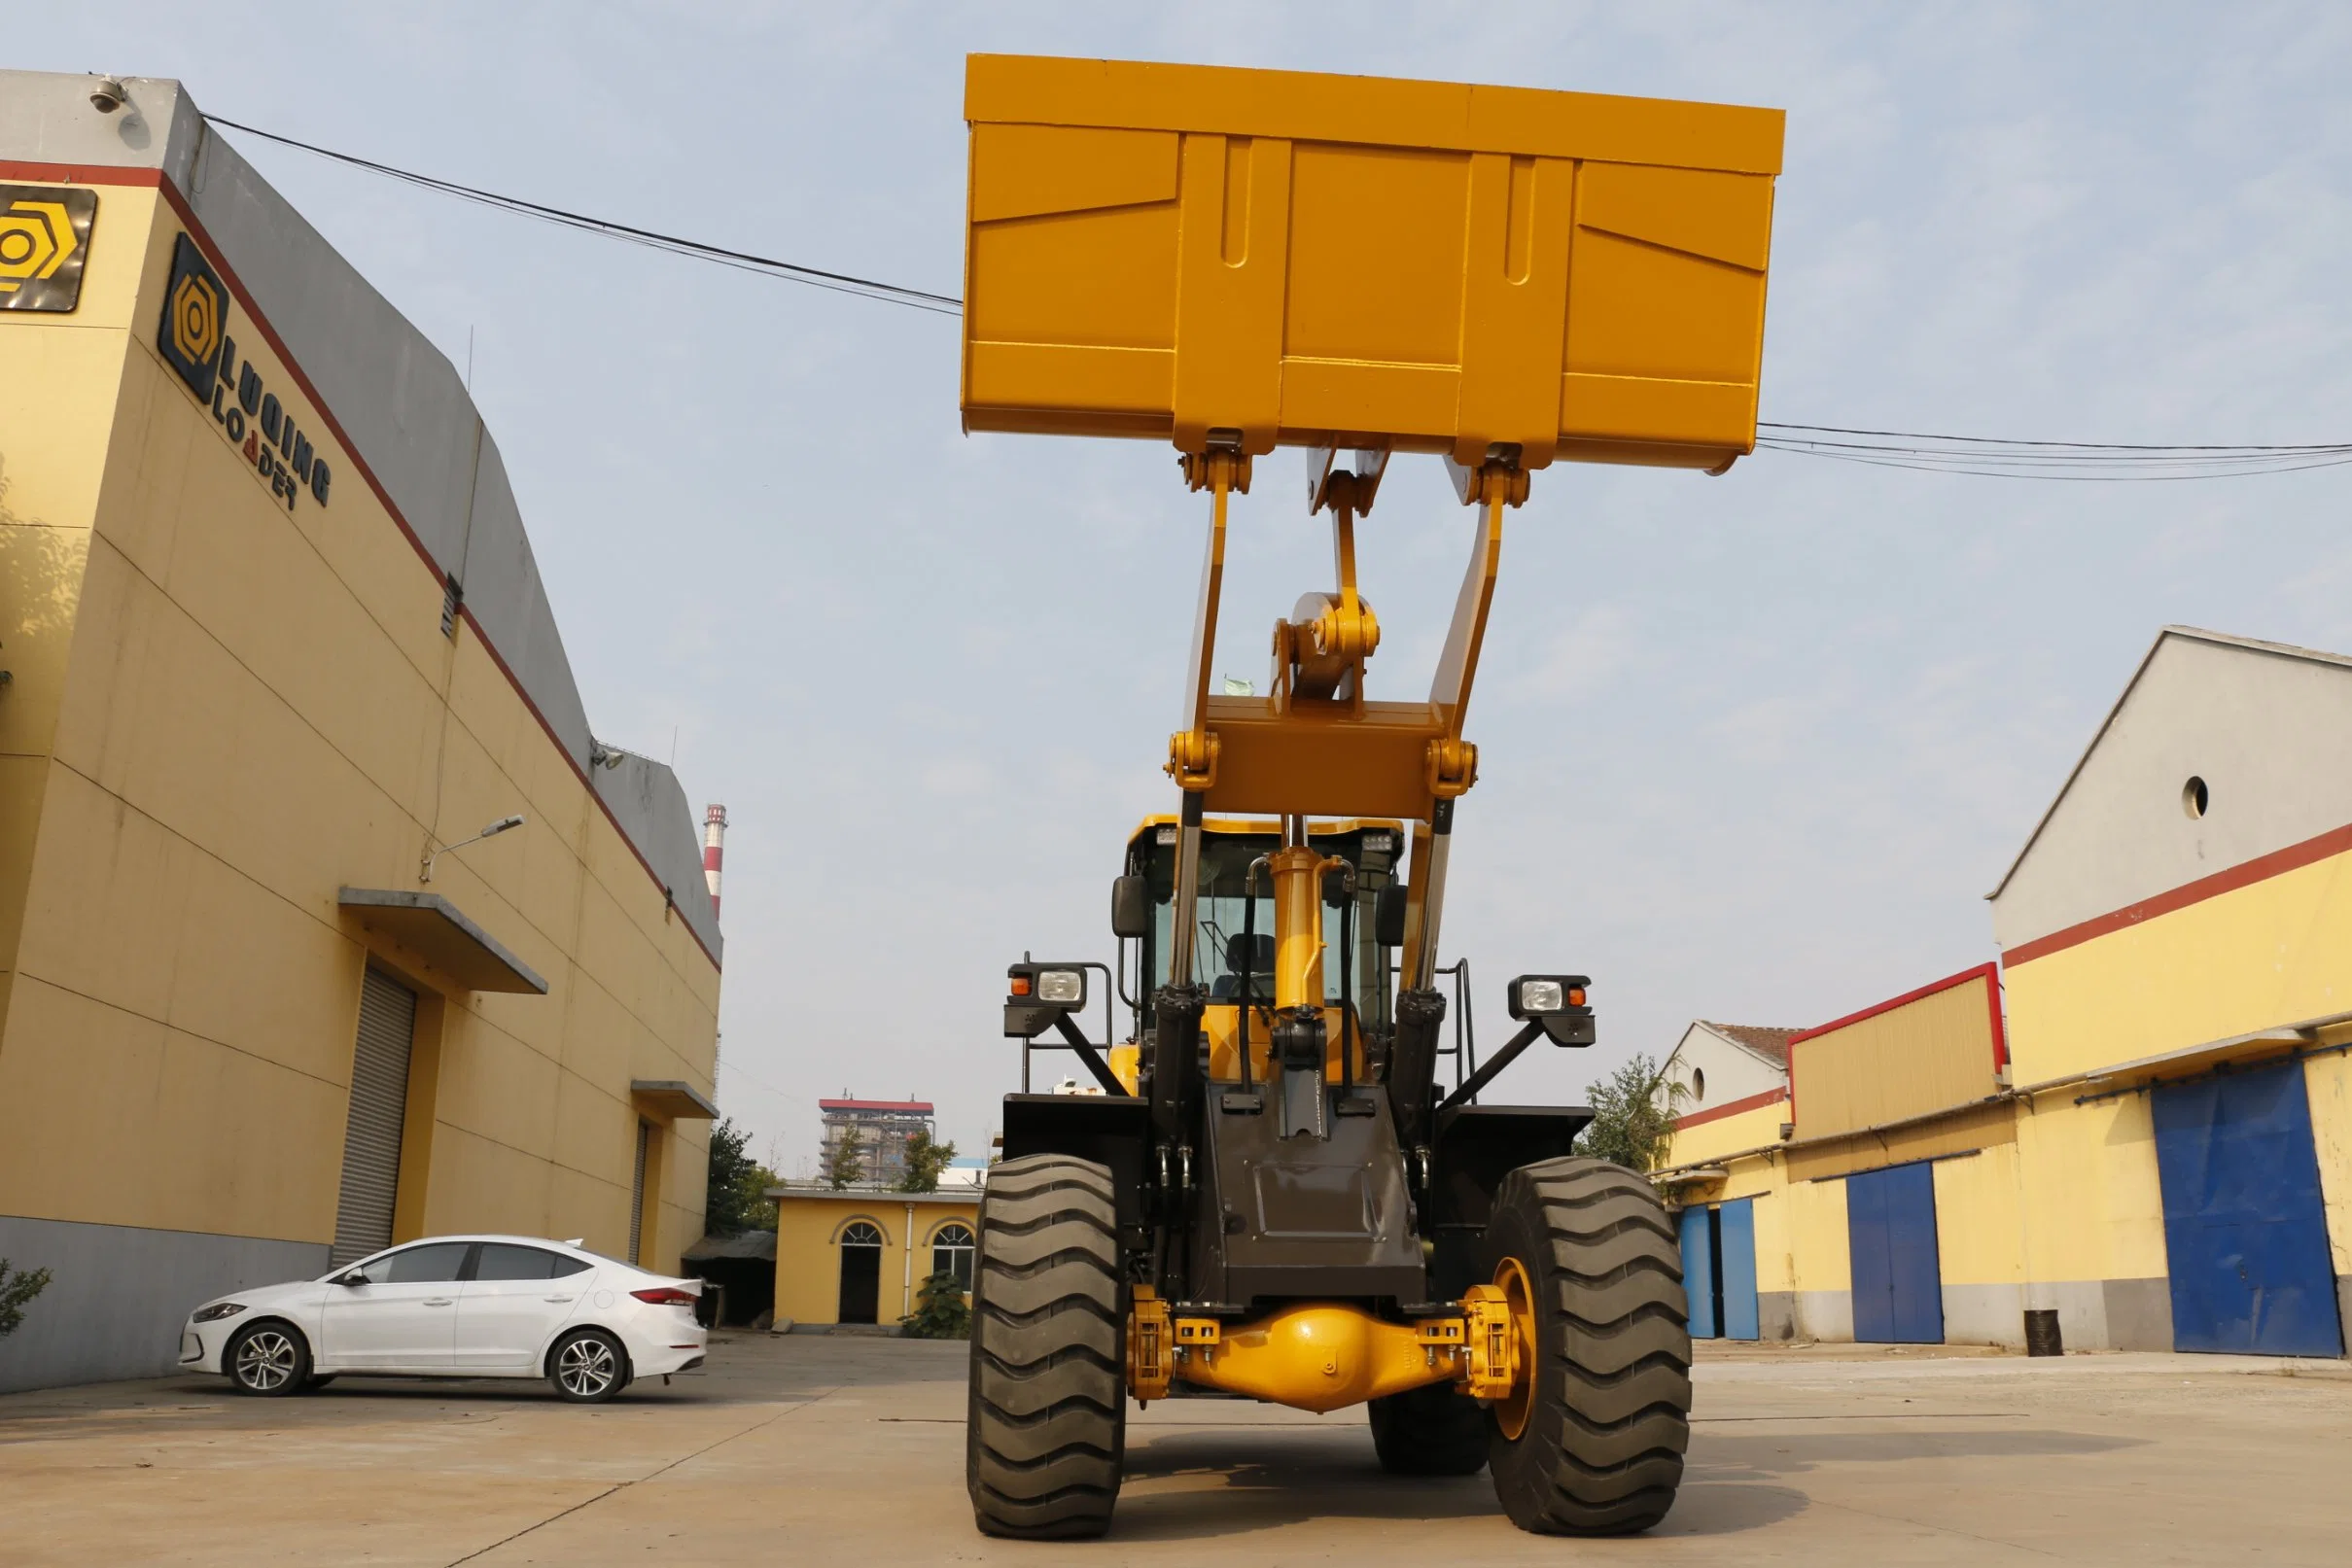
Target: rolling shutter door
[(379, 1104)]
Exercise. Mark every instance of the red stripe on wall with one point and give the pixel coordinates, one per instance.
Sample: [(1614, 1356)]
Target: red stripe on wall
[(1729, 1109), (2262, 867), (79, 173), (68, 173)]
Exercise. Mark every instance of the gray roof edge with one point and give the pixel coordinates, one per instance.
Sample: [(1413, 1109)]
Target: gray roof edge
[(403, 899), (650, 805)]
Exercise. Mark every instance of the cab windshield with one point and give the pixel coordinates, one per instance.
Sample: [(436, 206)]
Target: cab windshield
[(1223, 904)]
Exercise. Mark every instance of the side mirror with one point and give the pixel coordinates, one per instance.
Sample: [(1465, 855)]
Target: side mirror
[(352, 1277), (1130, 908), (1389, 915)]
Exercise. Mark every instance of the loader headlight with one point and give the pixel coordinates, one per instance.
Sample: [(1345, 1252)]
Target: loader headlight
[(1558, 1003), (1038, 995), (1540, 997)]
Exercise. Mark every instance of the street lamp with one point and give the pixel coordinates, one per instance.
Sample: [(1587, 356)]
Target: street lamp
[(425, 870)]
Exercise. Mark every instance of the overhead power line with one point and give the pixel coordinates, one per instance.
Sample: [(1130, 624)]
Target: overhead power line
[(1981, 456), (2078, 461), (698, 250)]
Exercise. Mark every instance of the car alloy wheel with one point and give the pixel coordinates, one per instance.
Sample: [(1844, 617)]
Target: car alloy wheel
[(588, 1366), (266, 1360)]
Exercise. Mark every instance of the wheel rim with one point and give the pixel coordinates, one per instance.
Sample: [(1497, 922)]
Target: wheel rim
[(1511, 1412), (587, 1367), (265, 1361)]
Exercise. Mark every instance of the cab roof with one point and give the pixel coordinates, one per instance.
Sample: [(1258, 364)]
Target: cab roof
[(1330, 827)]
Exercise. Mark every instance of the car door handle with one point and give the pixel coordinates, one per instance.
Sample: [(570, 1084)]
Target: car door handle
[(439, 1301), (558, 1298)]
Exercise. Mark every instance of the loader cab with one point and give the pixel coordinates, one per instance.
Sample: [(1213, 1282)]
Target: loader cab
[(1376, 848)]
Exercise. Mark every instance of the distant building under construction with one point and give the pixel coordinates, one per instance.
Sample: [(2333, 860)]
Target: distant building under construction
[(877, 1132)]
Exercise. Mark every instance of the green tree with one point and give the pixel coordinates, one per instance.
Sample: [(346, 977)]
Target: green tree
[(736, 1197), (18, 1288), (941, 1310), (1632, 1114), (845, 1161), (926, 1158)]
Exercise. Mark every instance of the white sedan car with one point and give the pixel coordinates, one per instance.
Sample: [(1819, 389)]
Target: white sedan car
[(455, 1307)]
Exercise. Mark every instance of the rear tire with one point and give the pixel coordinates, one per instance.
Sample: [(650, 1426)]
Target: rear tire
[(267, 1360), (589, 1367), (1431, 1431), (1047, 1420), (1608, 1418)]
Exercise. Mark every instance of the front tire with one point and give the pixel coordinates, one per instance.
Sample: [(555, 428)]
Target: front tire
[(1046, 1430), (589, 1367), (1431, 1431), (1605, 1417), (267, 1360)]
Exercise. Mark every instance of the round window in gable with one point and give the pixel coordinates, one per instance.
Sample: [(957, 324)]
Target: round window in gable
[(1699, 1083), (2194, 796)]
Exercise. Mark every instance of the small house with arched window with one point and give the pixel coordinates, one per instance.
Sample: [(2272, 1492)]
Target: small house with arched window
[(860, 1255)]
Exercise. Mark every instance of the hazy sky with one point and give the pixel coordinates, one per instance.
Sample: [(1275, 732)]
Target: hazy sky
[(1753, 747)]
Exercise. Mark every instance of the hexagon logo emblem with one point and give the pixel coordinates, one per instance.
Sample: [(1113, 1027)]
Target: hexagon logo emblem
[(196, 318), (44, 237)]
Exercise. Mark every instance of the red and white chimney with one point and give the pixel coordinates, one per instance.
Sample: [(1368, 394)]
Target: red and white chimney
[(714, 845)]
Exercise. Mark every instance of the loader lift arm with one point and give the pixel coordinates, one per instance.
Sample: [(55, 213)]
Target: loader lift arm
[(1267, 1198)]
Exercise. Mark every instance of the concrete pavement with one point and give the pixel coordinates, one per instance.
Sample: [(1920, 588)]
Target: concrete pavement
[(831, 1448)]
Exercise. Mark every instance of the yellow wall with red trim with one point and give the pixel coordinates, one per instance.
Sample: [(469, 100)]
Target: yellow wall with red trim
[(222, 712)]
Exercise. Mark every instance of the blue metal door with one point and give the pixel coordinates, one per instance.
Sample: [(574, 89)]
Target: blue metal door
[(1698, 1271), (2243, 1222), (1735, 1232), (1890, 1228)]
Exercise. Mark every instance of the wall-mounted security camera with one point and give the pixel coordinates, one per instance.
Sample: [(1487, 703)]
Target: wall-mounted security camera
[(107, 94)]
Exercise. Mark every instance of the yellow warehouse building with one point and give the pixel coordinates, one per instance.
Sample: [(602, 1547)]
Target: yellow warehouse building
[(273, 636), (2135, 1131)]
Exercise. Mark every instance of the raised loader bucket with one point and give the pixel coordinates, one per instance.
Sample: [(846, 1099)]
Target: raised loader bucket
[(1175, 250)]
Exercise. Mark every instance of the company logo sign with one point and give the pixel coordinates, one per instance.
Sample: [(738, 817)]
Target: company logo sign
[(43, 236), (195, 340)]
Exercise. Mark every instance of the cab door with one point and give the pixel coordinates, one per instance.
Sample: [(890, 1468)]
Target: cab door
[(399, 1312)]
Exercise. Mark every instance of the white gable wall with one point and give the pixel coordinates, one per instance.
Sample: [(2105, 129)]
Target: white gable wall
[(1732, 1072), (2269, 730)]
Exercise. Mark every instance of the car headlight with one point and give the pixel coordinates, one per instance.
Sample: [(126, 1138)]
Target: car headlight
[(219, 1311), (1066, 988)]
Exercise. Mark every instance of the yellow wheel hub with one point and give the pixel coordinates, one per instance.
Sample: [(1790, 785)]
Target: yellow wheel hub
[(1512, 1409)]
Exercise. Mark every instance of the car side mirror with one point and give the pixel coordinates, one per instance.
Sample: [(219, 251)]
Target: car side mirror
[(1388, 916), (352, 1277), (1130, 908)]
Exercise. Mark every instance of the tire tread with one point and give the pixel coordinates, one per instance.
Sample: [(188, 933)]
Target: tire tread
[(1047, 1427), (1602, 1451)]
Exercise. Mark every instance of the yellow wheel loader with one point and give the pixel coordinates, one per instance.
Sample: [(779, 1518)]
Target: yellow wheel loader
[(1267, 1192)]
